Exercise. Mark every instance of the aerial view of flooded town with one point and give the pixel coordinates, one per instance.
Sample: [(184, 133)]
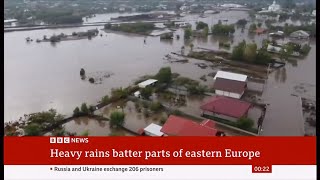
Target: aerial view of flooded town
[(159, 68)]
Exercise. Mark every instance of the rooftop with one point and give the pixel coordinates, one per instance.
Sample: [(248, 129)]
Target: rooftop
[(179, 126), (229, 85), (154, 129), (147, 83), (231, 76), (226, 106)]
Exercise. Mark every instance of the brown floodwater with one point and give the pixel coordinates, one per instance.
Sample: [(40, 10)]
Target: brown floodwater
[(39, 76)]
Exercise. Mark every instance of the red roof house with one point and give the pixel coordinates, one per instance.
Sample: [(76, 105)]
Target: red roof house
[(179, 126), (260, 31), (226, 106)]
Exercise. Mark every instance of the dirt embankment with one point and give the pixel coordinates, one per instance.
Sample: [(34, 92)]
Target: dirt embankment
[(221, 59)]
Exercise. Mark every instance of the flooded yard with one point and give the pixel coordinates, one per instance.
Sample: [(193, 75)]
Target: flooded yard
[(93, 127), (134, 120)]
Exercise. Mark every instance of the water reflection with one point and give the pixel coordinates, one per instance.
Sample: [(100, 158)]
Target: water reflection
[(281, 75)]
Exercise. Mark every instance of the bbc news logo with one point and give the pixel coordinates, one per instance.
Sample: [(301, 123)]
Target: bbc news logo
[(67, 140)]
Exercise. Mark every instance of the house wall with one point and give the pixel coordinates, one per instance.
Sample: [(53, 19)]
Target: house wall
[(229, 94), (149, 133)]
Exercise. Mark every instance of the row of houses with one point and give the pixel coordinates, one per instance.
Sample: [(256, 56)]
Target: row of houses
[(226, 104)]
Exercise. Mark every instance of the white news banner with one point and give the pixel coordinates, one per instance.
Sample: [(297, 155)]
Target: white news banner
[(156, 172)]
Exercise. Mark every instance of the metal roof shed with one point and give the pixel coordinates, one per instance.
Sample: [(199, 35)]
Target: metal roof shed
[(230, 76), (153, 130), (147, 83)]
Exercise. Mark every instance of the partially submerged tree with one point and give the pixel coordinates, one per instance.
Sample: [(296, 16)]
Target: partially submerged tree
[(187, 33), (84, 109), (164, 75), (116, 119)]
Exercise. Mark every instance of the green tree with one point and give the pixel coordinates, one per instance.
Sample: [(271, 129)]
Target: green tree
[(205, 31), (116, 119), (201, 25), (259, 24), (50, 117), (155, 106), (238, 51), (245, 123), (76, 112), (263, 57), (32, 129), (146, 92), (187, 33), (250, 52), (164, 75), (242, 22), (84, 108)]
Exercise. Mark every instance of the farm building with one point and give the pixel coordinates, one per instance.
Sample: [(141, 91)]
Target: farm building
[(230, 84), (149, 82), (179, 126), (226, 108)]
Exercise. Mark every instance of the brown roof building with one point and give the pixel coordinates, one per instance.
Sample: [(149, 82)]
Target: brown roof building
[(229, 88)]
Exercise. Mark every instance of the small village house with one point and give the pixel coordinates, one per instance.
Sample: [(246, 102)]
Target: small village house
[(300, 34), (230, 84), (226, 108), (149, 82), (179, 126), (260, 31)]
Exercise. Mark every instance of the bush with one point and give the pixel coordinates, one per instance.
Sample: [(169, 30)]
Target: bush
[(146, 113), (116, 119), (91, 80), (145, 104), (245, 123), (156, 106)]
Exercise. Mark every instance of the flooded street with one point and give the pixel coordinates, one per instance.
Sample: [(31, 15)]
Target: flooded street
[(40, 76)]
